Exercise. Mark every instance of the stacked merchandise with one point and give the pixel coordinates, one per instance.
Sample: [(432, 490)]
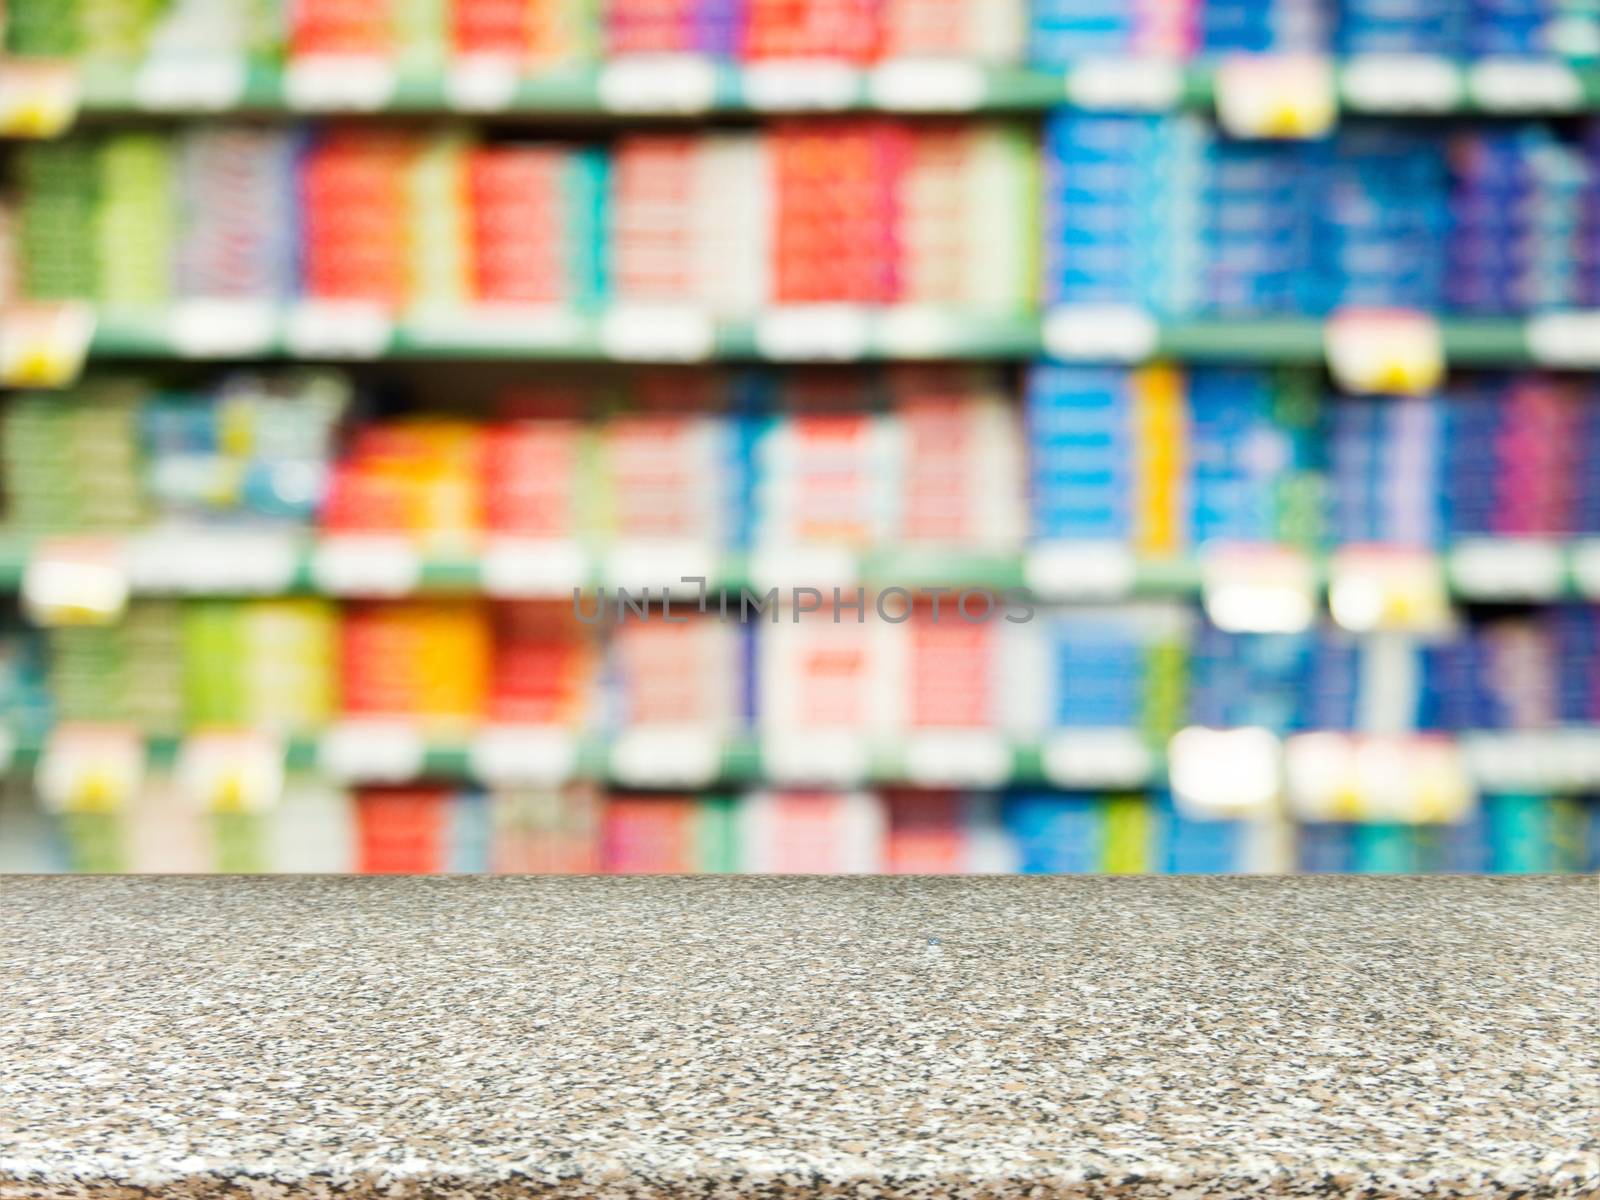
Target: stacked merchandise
[(115, 455), (961, 458), (292, 665), (1491, 456), (256, 450), (1161, 459), (261, 664), (862, 211), (124, 29), (1157, 211), (416, 476), (1115, 669), (710, 27), (425, 661), (1524, 221), (1589, 244), (536, 34), (543, 34), (430, 829), (232, 187), (879, 213), (1165, 213), (129, 673), (1165, 460), (25, 695), (1064, 31), (689, 220), (72, 462), (1265, 26)]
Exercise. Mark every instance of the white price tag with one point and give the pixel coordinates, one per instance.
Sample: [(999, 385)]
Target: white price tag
[(667, 83), (221, 328), (1402, 83), (806, 564), (957, 758), (803, 86), (203, 562), (931, 85), (38, 99), (1518, 85), (366, 565), (909, 331), (1505, 762), (1388, 588), (339, 82), (680, 756), (1258, 588), (524, 755), (1135, 84), (349, 329), (815, 757), (1081, 570), (372, 751), (658, 333), (1586, 567), (814, 333), (482, 83), (1225, 773), (1542, 760), (1097, 758), (1276, 96), (183, 84), (492, 327), (75, 581), (1385, 351), (1100, 332), (90, 768), (659, 564), (533, 568), (1579, 756), (44, 345), (1508, 569), (231, 771), (1565, 339)]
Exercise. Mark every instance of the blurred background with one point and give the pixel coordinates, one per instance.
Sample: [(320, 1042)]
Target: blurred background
[(341, 340)]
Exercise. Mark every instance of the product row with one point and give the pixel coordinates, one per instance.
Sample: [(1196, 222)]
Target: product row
[(1161, 460), (874, 667), (1158, 212), (420, 34), (579, 831)]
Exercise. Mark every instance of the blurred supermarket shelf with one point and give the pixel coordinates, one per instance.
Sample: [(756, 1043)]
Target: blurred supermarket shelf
[(1217, 774), (44, 345), (45, 98), (248, 562)]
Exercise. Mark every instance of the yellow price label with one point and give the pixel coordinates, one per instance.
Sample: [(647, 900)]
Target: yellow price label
[(90, 768), (37, 99), (44, 345), (231, 771), (1391, 352), (1373, 588), (1277, 96)]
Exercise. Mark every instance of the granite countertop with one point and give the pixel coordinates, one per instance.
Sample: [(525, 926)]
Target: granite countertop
[(784, 1037)]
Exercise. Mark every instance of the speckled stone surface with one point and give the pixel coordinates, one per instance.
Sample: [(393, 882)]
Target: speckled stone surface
[(796, 1037)]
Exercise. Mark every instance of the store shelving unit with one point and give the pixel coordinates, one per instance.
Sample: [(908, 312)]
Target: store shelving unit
[(687, 89)]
